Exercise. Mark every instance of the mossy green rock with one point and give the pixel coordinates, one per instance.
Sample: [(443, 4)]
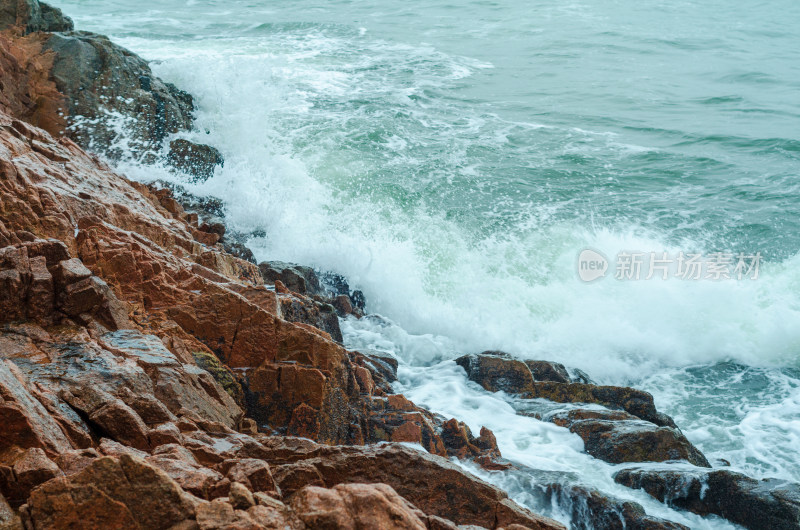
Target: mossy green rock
[(221, 374)]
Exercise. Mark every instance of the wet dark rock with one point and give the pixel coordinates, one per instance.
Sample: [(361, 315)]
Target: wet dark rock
[(496, 371), (358, 299), (204, 207), (31, 16), (333, 285), (236, 248), (307, 311), (297, 278), (548, 371), (631, 400), (616, 437), (100, 80), (216, 226), (381, 365), (769, 503), (590, 509), (197, 160), (54, 20)]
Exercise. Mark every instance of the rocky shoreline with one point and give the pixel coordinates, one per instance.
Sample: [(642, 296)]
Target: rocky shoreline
[(153, 375)]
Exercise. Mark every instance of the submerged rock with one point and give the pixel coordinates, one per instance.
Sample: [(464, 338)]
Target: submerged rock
[(590, 509), (769, 503)]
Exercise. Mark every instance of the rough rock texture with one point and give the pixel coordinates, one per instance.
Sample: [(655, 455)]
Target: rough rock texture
[(352, 506), (496, 371), (296, 278), (148, 376), (111, 492), (590, 509), (128, 338), (104, 83), (616, 437), (433, 484), (28, 16), (84, 86), (629, 430), (195, 159), (770, 503)]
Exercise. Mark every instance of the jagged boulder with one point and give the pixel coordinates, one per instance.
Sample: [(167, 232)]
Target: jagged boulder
[(31, 15), (496, 371), (616, 437), (431, 483), (112, 492), (101, 81), (307, 311), (356, 506), (296, 278), (769, 503), (197, 160)]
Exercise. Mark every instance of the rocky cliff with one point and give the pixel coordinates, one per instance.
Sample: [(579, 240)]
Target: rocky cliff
[(153, 376)]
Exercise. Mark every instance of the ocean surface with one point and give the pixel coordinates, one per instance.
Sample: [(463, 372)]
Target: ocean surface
[(453, 159)]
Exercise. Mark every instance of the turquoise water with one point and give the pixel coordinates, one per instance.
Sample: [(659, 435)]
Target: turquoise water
[(452, 159)]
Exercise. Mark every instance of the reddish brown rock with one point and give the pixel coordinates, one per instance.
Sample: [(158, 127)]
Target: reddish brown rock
[(240, 497), (27, 470), (119, 492), (616, 437), (496, 371), (433, 484), (192, 477), (123, 424), (71, 462), (355, 507), (165, 434), (26, 423), (135, 297), (253, 473)]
